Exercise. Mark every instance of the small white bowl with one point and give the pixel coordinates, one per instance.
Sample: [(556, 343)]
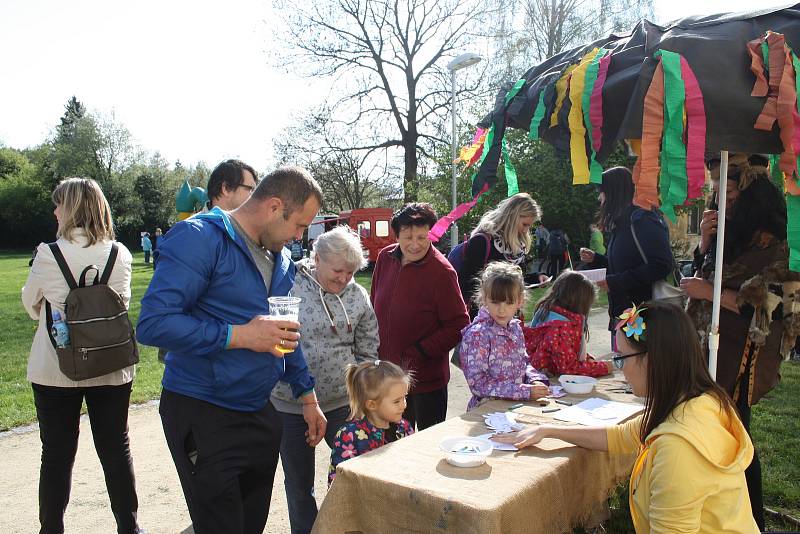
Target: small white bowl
[(466, 451), (576, 384)]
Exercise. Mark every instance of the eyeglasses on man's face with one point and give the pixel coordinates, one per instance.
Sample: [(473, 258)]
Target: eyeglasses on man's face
[(619, 359), (250, 188)]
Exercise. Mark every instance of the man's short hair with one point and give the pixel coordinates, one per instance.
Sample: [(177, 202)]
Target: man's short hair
[(413, 214), (293, 185), (230, 173)]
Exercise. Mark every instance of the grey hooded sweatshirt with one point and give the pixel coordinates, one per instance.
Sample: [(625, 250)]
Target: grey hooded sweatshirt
[(335, 330)]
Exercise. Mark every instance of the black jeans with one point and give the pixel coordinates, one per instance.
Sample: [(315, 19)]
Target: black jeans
[(297, 458), (426, 409), (226, 461), (58, 410)]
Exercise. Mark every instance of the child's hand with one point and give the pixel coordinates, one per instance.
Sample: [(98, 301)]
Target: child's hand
[(539, 390)]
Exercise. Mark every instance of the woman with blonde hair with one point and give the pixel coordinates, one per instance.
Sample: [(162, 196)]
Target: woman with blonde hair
[(85, 238), (503, 234)]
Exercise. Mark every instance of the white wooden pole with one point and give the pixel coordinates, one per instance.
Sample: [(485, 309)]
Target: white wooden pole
[(713, 335)]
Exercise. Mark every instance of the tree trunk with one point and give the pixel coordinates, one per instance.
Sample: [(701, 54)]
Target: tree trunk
[(410, 172)]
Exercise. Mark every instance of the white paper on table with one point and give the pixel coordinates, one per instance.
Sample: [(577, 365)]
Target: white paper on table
[(598, 412), (497, 445), (595, 275)]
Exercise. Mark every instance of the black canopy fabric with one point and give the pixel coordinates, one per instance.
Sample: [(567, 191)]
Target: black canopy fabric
[(714, 46)]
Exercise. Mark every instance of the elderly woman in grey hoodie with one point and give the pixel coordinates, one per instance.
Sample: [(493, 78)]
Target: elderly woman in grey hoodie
[(338, 327)]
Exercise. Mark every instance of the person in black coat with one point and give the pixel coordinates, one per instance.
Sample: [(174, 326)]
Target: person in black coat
[(629, 278)]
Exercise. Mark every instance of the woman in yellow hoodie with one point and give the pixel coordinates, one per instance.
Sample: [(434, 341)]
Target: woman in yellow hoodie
[(693, 449)]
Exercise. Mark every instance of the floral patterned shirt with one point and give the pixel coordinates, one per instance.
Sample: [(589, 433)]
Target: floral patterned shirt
[(493, 359), (359, 437)]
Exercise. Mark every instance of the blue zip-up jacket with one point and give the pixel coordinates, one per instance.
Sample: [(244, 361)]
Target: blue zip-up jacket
[(206, 282)]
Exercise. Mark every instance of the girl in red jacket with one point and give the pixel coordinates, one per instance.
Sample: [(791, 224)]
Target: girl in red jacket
[(556, 339)]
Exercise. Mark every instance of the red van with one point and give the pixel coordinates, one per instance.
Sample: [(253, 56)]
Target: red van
[(373, 225)]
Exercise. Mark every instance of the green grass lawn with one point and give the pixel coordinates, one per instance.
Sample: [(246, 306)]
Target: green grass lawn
[(776, 421)]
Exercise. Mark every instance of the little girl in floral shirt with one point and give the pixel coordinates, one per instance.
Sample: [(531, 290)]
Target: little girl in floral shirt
[(377, 391), (493, 355)]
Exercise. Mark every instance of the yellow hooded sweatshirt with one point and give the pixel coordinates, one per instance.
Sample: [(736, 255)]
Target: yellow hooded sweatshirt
[(689, 476)]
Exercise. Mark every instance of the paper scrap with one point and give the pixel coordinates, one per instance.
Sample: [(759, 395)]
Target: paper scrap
[(598, 412)]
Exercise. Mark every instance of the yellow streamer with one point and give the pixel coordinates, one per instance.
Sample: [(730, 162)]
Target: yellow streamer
[(577, 131), (561, 93)]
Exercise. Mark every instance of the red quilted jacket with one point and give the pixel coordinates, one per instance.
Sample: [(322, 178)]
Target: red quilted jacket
[(554, 345)]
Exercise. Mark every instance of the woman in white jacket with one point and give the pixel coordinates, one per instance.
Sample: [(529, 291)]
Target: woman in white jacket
[(85, 236)]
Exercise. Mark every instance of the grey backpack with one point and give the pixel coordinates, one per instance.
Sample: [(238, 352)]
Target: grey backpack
[(101, 335)]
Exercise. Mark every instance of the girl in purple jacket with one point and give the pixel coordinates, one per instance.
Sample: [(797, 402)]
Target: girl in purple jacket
[(493, 352)]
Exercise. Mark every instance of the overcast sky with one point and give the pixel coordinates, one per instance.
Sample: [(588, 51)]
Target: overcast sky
[(190, 78)]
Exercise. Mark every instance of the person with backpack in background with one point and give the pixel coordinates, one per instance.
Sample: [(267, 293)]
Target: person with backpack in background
[(503, 234), (557, 251), (85, 244)]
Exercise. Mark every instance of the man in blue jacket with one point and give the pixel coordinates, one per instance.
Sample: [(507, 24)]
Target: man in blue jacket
[(207, 304)]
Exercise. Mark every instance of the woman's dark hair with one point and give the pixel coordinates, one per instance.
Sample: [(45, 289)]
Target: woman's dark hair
[(230, 173), (676, 368), (413, 214), (617, 187), (759, 208)]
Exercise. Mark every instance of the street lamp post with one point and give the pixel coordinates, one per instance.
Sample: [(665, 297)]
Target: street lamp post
[(464, 60)]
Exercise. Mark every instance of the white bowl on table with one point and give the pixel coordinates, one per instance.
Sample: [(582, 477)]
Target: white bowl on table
[(577, 384), (466, 451)]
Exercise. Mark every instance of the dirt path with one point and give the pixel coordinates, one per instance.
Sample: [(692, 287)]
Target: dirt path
[(162, 508)]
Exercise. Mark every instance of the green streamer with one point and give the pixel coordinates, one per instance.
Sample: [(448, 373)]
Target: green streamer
[(793, 231), (595, 169), (673, 180), (538, 115), (765, 55), (775, 171), (510, 172), (514, 90)]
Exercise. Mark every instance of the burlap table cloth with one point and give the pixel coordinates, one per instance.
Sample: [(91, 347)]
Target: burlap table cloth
[(408, 486)]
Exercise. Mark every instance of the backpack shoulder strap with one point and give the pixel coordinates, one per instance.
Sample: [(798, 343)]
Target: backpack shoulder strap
[(48, 312), (636, 240), (488, 239), (112, 259), (62, 264)]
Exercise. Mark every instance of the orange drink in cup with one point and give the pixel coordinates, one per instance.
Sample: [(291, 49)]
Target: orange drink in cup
[(286, 308)]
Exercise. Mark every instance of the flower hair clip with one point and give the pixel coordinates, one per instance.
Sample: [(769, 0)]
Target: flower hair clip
[(632, 323)]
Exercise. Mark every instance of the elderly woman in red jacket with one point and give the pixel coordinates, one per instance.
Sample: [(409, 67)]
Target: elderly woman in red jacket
[(420, 312)]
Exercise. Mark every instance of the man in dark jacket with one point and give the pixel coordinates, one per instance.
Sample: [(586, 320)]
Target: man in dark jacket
[(207, 304)]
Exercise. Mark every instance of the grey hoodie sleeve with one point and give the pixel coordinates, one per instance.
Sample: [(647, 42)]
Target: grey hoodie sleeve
[(366, 334)]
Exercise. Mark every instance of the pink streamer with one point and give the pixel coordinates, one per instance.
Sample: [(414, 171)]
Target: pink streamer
[(441, 226), (796, 136), (696, 137), (478, 133), (596, 103)]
